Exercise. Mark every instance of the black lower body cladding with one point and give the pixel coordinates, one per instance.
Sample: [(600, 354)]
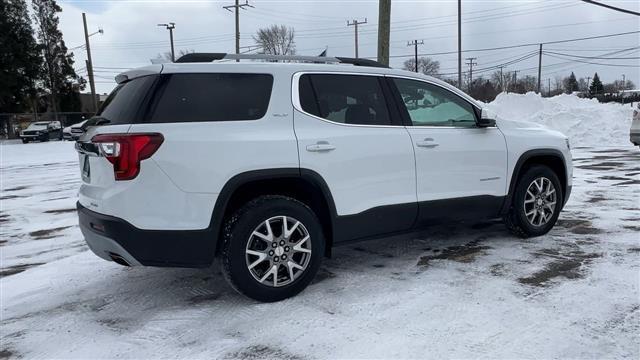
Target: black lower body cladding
[(109, 235)]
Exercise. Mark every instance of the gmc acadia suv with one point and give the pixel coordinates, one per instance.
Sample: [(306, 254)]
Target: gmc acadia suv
[(268, 165)]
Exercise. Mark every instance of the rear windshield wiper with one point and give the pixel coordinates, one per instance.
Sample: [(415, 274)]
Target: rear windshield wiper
[(96, 121)]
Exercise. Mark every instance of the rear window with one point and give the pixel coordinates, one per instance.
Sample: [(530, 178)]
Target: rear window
[(124, 104), (211, 97)]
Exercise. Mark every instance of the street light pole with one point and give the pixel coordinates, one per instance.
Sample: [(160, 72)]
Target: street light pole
[(170, 26), (92, 83)]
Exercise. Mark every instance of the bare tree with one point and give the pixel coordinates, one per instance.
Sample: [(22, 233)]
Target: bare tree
[(276, 40), (426, 66)]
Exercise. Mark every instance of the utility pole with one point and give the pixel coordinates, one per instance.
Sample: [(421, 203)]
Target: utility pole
[(515, 77), (237, 8), (92, 83), (356, 23), (460, 44), (624, 82), (384, 25), (501, 79), (170, 26), (588, 85), (415, 44), (539, 68), (471, 63), (549, 87)]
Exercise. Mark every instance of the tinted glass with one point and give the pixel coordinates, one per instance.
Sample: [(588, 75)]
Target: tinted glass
[(348, 99), (124, 103), (431, 105), (212, 97)]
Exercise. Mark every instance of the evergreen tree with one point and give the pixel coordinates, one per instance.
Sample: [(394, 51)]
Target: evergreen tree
[(59, 77), (19, 58), (570, 83), (596, 85)]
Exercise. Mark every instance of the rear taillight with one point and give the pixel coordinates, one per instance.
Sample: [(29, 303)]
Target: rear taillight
[(125, 151)]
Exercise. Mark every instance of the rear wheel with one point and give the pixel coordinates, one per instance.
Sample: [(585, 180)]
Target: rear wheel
[(272, 248), (537, 201), (24, 141)]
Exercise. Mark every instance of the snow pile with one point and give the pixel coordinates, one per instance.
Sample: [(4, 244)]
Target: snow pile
[(586, 122)]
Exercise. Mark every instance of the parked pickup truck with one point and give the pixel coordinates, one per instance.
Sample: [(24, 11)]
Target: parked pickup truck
[(42, 131)]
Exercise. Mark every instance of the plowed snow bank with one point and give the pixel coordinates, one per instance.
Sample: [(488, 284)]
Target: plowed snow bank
[(586, 122)]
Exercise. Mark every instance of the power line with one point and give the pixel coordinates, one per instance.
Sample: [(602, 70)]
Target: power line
[(438, 24), (596, 63), (565, 64), (593, 57), (279, 15), (611, 7), (524, 45)]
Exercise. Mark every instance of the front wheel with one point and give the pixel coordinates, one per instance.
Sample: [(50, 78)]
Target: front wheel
[(537, 201), (272, 248)]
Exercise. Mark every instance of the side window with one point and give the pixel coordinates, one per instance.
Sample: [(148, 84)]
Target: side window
[(212, 97), (346, 99), (431, 105)]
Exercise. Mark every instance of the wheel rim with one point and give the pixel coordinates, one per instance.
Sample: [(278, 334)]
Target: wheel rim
[(540, 201), (278, 251)]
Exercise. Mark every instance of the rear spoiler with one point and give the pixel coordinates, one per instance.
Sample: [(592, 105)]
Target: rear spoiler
[(143, 71)]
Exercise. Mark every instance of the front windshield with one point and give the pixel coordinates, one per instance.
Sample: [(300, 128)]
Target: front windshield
[(37, 126)]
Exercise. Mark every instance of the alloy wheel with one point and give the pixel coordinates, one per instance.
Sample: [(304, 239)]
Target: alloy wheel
[(278, 251), (540, 201)]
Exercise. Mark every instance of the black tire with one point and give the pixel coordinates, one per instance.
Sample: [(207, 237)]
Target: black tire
[(237, 233), (24, 141), (516, 220)]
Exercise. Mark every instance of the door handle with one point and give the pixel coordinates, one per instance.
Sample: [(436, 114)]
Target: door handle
[(321, 146), (427, 143)]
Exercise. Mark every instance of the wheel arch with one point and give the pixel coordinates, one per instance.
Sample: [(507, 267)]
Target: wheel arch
[(304, 185), (552, 158)]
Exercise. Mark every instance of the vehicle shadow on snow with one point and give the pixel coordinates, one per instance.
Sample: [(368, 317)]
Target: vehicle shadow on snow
[(396, 257)]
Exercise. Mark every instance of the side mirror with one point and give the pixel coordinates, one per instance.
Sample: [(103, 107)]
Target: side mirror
[(487, 119)]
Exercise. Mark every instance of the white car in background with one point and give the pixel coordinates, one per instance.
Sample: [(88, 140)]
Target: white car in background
[(634, 133), (74, 131)]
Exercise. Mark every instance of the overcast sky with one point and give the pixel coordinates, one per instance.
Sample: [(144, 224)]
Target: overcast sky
[(131, 35)]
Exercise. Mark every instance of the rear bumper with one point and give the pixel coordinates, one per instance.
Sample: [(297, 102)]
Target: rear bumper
[(114, 239)]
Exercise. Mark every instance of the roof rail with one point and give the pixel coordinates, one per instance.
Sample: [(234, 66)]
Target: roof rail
[(210, 57)]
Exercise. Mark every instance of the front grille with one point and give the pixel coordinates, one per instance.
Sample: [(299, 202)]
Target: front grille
[(31, 133)]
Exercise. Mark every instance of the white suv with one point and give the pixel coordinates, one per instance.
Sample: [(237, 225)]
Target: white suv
[(268, 165)]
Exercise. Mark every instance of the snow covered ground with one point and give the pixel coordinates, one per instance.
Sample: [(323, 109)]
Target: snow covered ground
[(470, 291)]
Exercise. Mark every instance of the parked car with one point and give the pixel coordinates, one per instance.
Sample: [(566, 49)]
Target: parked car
[(634, 132), (268, 166), (42, 131), (74, 131)]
